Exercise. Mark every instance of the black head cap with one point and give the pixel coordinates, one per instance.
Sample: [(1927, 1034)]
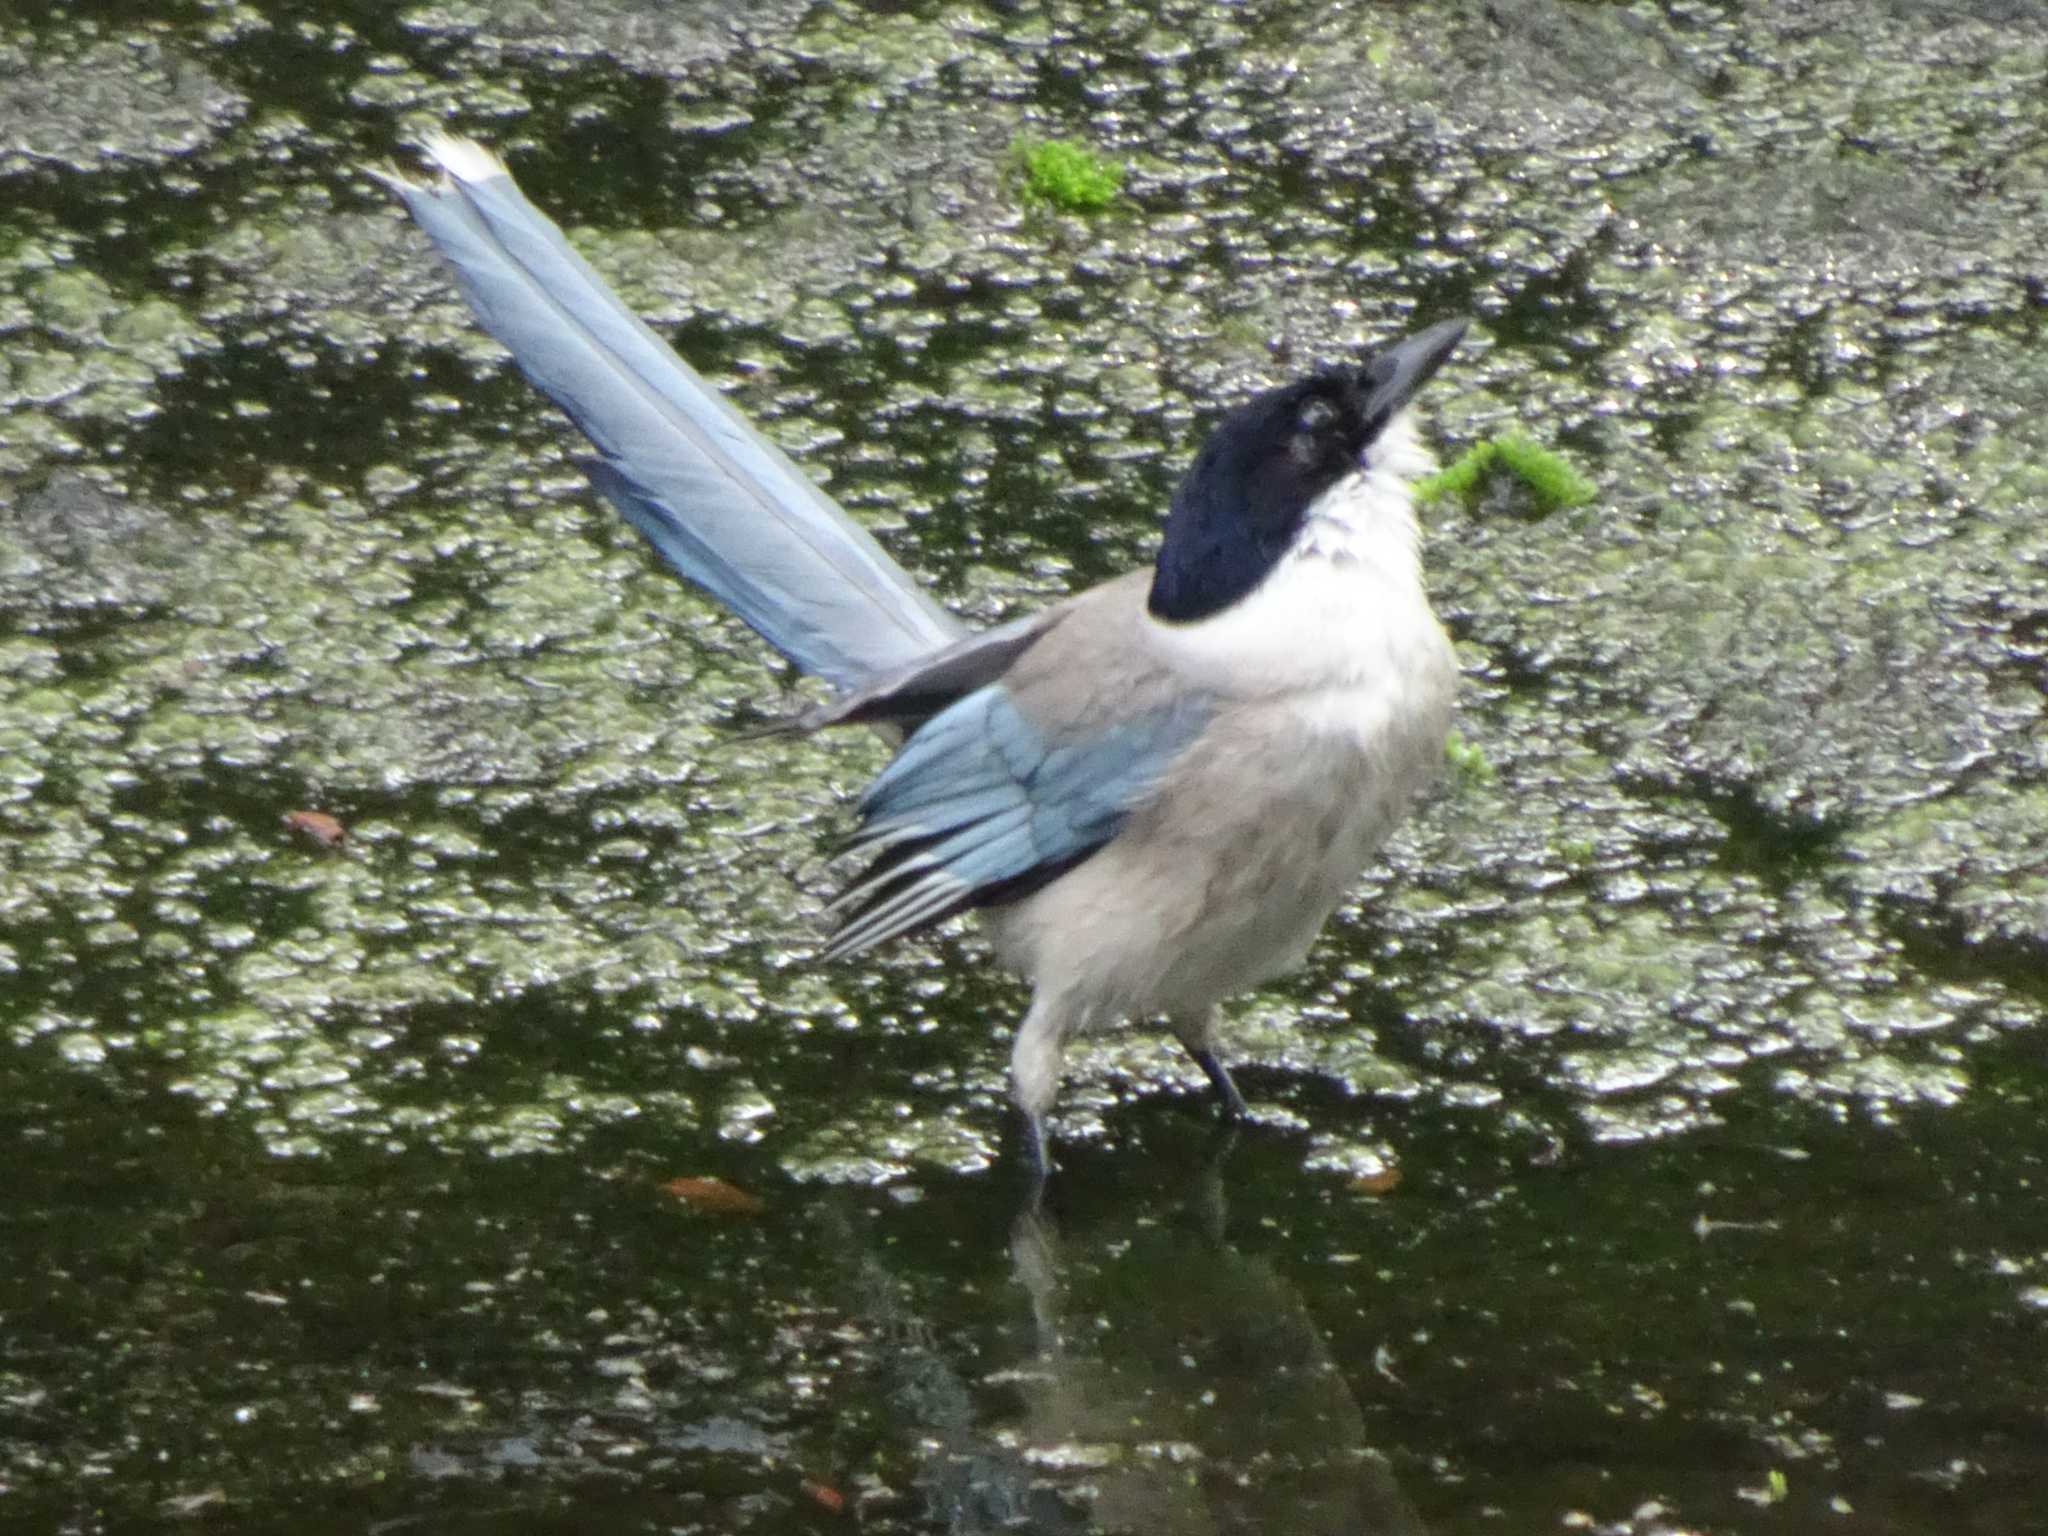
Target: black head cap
[(1249, 492)]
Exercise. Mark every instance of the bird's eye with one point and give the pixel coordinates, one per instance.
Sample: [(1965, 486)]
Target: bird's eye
[(1316, 417)]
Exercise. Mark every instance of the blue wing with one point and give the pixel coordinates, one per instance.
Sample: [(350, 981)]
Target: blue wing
[(719, 501), (982, 806)]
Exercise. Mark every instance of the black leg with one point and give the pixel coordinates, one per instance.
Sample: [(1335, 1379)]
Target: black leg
[(1037, 1152), (1227, 1096)]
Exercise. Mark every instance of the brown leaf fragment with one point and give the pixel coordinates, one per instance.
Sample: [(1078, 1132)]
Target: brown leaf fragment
[(715, 1197), (324, 829), (824, 1495)]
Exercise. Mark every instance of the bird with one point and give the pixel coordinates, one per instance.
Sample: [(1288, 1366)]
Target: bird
[(1153, 793)]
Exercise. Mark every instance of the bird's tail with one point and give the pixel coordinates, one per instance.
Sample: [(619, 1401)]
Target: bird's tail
[(721, 503)]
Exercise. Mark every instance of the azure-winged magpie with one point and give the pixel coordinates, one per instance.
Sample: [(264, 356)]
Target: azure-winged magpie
[(1155, 792)]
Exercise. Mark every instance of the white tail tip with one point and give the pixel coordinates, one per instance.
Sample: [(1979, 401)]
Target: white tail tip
[(464, 159)]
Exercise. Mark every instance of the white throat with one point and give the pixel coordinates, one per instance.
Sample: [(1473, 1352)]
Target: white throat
[(1369, 515)]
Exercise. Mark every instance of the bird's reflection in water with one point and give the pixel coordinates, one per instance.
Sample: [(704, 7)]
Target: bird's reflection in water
[(1157, 1381)]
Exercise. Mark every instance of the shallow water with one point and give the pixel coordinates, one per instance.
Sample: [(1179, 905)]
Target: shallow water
[(1655, 1146)]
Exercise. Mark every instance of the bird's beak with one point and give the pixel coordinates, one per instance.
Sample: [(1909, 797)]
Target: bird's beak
[(1396, 374)]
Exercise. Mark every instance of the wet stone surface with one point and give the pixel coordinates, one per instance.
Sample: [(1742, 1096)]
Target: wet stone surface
[(1654, 1146)]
